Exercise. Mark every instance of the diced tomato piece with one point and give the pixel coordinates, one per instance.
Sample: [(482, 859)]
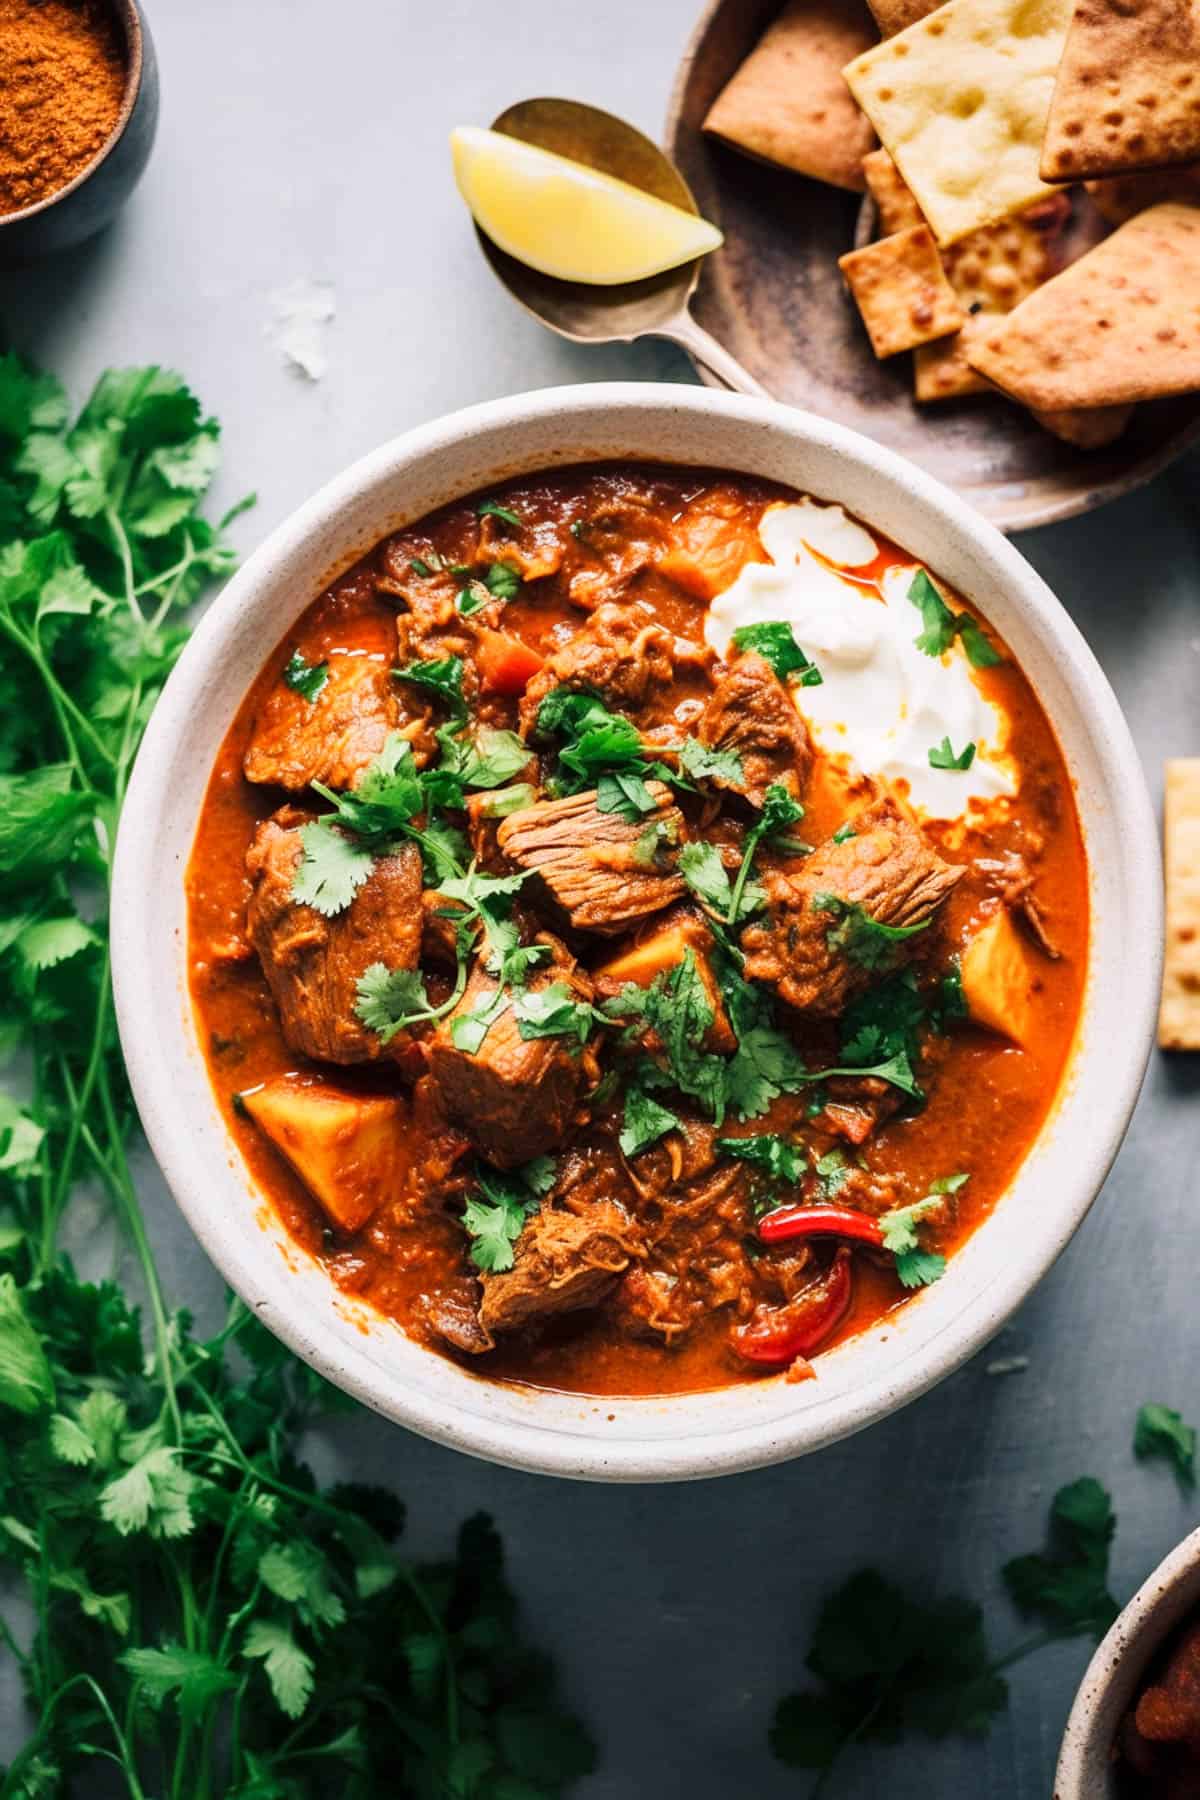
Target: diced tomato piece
[(506, 665)]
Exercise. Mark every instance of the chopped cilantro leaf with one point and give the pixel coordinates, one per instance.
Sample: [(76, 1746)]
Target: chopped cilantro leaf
[(942, 756), (645, 1121), (468, 1030), (832, 1170), (624, 794), (700, 763), (503, 801), (702, 868), (1067, 1586), (502, 581), (981, 652), (866, 941), (914, 1266), (443, 677), (425, 566), (472, 599), (937, 620), (775, 641), (779, 1159), (1161, 1432), (652, 848), (844, 833), (493, 509), (553, 1011), (331, 869), (306, 679), (389, 999)]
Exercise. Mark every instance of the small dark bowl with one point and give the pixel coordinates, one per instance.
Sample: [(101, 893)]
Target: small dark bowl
[(99, 191)]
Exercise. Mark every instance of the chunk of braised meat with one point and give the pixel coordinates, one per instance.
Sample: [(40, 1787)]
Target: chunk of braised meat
[(621, 654), (712, 540), (696, 1258), (807, 952), (858, 1105), (514, 1097), (295, 741), (604, 873), (563, 1262), (616, 543), (313, 964), (751, 713), (1159, 1738), (452, 1314), (1013, 880)]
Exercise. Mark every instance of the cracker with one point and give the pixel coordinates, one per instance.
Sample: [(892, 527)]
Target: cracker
[(897, 209), (1089, 428), (941, 371), (1121, 324), (960, 100), (788, 103), (991, 272), (900, 288), (892, 16), (1118, 197), (1179, 1015), (1128, 89)]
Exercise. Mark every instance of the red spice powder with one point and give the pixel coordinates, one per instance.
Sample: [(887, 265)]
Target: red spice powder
[(62, 80)]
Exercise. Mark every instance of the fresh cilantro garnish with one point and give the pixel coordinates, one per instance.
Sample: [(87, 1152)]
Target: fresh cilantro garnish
[(832, 1170), (891, 1665), (503, 801), (698, 762), (652, 848), (623, 793), (1067, 1586), (493, 509), (389, 1000), (214, 1611), (940, 626), (780, 1160), (443, 677), (844, 833), (676, 1008), (1161, 1432), (331, 870), (867, 941), (914, 1266), (645, 1120), (468, 1030), (779, 812), (306, 679), (500, 582), (942, 756), (339, 849), (596, 742), (703, 869), (951, 1002), (775, 642), (553, 1011), (432, 564), (494, 1220)]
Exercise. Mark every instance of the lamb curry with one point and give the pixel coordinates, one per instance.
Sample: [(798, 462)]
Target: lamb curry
[(638, 925)]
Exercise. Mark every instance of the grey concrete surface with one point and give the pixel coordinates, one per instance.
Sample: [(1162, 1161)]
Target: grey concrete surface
[(306, 142)]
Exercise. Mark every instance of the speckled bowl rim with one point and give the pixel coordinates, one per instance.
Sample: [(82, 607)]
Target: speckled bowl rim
[(1085, 1771), (685, 1436)]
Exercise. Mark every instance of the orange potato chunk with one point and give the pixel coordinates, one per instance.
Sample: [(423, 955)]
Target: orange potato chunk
[(1000, 977), (347, 1148)]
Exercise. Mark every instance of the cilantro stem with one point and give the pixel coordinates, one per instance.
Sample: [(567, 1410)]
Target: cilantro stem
[(125, 555), (1026, 1648), (59, 698)]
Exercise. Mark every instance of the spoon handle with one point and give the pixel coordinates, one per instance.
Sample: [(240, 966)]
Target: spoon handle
[(700, 344)]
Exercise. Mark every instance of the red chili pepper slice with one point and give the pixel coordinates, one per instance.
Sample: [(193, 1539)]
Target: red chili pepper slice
[(787, 1222), (777, 1335)]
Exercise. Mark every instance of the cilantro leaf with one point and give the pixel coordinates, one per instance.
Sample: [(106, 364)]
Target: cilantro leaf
[(553, 1011), (624, 793), (865, 940), (1067, 1586), (331, 869), (981, 652), (493, 509), (440, 676), (1162, 1433), (943, 757), (937, 620), (700, 763), (703, 869), (289, 1669), (389, 999), (645, 1121), (494, 1222), (775, 641), (306, 679), (832, 1170), (780, 1159)]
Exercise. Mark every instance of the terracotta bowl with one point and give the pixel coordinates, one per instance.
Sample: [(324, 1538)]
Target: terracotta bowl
[(100, 190), (873, 1374), (774, 297), (1085, 1768)]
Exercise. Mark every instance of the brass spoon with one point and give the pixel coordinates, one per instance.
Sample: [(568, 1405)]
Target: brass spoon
[(655, 307)]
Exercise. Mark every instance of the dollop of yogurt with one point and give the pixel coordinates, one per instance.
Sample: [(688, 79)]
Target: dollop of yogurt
[(882, 703)]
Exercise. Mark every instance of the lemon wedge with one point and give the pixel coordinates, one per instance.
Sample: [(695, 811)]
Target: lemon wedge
[(568, 220)]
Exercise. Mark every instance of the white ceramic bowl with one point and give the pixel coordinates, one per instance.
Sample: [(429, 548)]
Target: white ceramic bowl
[(683, 1436), (1085, 1770)]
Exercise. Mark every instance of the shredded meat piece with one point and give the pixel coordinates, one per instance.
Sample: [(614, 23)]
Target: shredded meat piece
[(534, 552), (1013, 880), (453, 1315), (295, 741), (625, 537), (621, 654), (514, 1097), (858, 1106), (563, 1261), (587, 861), (312, 964), (887, 869), (751, 713), (696, 1258)]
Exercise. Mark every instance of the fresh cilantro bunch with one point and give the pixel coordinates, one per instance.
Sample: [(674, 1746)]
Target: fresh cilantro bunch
[(604, 750), (201, 1615), (891, 1665)]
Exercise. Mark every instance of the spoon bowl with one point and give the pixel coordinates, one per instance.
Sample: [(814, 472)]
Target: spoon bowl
[(588, 314)]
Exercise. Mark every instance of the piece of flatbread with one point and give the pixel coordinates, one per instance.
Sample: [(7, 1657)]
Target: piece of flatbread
[(892, 16), (960, 100), (894, 203), (1089, 428), (788, 103), (900, 288), (1179, 1015), (1128, 89), (1118, 197), (1121, 324), (991, 271)]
